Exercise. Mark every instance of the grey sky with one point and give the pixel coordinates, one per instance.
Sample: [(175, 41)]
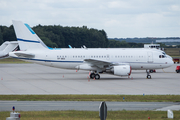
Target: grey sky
[(119, 18)]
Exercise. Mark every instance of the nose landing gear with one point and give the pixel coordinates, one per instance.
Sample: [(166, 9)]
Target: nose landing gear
[(148, 74)]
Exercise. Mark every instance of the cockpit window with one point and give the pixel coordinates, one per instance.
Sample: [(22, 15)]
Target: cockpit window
[(163, 53), (161, 56)]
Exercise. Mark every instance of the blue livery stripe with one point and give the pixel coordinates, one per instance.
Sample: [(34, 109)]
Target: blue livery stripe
[(75, 61), (27, 40), (29, 28), (48, 60), (37, 42), (54, 48)]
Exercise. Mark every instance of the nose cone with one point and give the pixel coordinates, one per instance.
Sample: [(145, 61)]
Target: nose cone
[(169, 57), (170, 61)]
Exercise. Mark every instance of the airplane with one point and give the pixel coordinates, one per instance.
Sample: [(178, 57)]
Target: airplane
[(117, 61), (7, 47)]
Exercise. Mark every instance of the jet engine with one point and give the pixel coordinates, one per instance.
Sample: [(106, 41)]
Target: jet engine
[(121, 70)]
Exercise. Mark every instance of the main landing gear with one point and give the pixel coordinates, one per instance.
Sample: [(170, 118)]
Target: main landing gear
[(148, 74), (94, 75)]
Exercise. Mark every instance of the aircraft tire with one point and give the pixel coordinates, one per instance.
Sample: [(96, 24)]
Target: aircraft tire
[(92, 75), (148, 76), (97, 76)]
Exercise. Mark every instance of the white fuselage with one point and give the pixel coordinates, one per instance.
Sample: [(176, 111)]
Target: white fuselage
[(137, 58), (117, 61)]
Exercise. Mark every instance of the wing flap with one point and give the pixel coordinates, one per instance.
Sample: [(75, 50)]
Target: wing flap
[(98, 63), (102, 63)]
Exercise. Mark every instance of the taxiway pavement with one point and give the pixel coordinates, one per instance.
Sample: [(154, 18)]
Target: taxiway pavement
[(38, 79), (85, 105)]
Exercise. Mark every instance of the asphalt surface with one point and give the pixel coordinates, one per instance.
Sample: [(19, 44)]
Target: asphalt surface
[(85, 105), (38, 79)]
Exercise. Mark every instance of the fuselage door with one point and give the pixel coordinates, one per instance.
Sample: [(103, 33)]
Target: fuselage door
[(108, 57), (150, 57)]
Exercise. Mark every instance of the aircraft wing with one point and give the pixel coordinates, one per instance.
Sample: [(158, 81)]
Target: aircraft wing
[(102, 64)]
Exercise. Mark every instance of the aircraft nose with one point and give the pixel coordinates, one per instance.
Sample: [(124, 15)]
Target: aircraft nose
[(170, 62)]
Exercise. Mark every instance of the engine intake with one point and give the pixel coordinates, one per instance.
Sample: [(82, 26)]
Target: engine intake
[(121, 70)]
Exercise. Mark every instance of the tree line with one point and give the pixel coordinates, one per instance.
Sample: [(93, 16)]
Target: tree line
[(57, 36)]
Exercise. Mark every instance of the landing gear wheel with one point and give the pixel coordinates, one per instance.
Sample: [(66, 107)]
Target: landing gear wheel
[(148, 76), (92, 75), (97, 76)]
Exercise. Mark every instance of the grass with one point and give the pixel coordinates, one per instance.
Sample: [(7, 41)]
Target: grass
[(128, 98), (11, 61), (92, 115)]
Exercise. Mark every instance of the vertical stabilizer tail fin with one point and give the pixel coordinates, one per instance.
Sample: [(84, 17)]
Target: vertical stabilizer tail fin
[(27, 38)]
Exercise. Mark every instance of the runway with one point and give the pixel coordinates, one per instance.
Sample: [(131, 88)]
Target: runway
[(38, 79)]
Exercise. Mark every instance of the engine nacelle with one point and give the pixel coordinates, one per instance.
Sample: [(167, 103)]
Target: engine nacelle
[(121, 70)]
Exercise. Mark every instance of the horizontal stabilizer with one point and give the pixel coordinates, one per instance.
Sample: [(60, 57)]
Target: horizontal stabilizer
[(7, 47), (26, 55)]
